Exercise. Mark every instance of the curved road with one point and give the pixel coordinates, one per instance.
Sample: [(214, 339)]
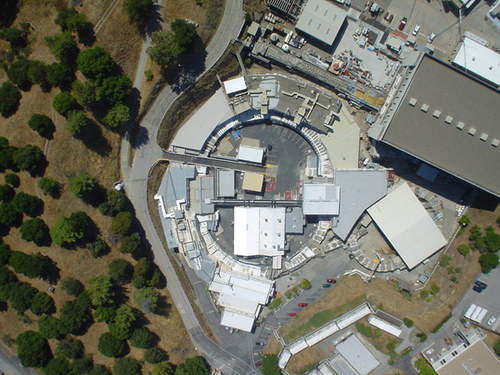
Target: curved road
[(135, 178)]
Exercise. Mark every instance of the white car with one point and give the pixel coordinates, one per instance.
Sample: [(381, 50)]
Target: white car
[(415, 30), (431, 37)]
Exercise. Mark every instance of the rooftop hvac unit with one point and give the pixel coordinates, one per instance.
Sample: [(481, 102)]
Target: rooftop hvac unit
[(495, 142), (448, 119), (483, 137), (472, 131), (412, 102), (424, 107), (436, 113), (460, 125)]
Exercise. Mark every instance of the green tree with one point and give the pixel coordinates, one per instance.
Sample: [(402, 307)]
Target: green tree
[(7, 156), (100, 370), (49, 186), (35, 230), (464, 221), (146, 299), (111, 346), (496, 348), (130, 244), (86, 93), (270, 364), (28, 158), (63, 46), (464, 249), (9, 215), (77, 123), (164, 49), (194, 366), (7, 276), (121, 223), (42, 124), (101, 290), (96, 63), (27, 204), (445, 260), (98, 247), (16, 37), (21, 296), (115, 90), (305, 284), (71, 286), (73, 316), (126, 366), (184, 33), (70, 19), (105, 313), (49, 327), (32, 266), (18, 73), (142, 338), (57, 366), (69, 230), (64, 103), (123, 322), (474, 233), (83, 185), (60, 75), (154, 355), (37, 74), (70, 348), (5, 253), (83, 365), (12, 179), (115, 202), (9, 99), (32, 349), (435, 289), (117, 116), (488, 262), (120, 270), (163, 368), (408, 322), (6, 193), (138, 11), (42, 304)]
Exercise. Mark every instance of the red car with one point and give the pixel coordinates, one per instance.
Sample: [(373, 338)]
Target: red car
[(331, 281), (303, 304), (403, 23), (292, 314), (258, 364)]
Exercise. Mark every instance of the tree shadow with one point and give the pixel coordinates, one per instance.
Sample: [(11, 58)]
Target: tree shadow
[(52, 273), (39, 171), (154, 22), (164, 308), (139, 136), (86, 35), (92, 137)]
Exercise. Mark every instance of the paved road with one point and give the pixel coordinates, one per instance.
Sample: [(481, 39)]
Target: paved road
[(147, 152), (10, 365)]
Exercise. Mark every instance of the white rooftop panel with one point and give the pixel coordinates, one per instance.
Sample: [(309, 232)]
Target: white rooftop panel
[(407, 225), (358, 356), (480, 60), (235, 85), (238, 321), (321, 199), (252, 154), (383, 325)]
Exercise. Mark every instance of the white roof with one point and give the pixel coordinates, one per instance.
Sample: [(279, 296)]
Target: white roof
[(321, 199), (358, 356), (385, 326), (259, 231), (252, 154), (235, 85), (235, 320), (407, 225), (194, 132), (480, 60)]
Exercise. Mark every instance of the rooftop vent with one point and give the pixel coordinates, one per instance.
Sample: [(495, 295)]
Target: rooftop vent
[(472, 131), (436, 113), (460, 125), (412, 102), (424, 107), (448, 119), (495, 142), (483, 137)]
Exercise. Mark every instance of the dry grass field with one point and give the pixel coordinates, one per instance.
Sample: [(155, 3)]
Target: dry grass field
[(67, 155)]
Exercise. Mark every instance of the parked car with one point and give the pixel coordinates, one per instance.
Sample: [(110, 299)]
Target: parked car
[(402, 24), (431, 38), (491, 320), (303, 304), (292, 314), (331, 281), (416, 30), (475, 288), (260, 343), (388, 17), (480, 284), (327, 285), (269, 147), (257, 364)]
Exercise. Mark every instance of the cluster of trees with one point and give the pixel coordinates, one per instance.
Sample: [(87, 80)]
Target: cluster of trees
[(488, 244), (138, 11), (27, 158), (167, 47)]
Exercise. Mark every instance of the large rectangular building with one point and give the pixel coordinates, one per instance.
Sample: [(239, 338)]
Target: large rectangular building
[(446, 118)]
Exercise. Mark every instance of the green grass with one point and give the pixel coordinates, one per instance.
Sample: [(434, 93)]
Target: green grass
[(321, 318)]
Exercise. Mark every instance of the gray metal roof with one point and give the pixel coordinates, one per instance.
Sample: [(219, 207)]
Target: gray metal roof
[(353, 350), (359, 189), (225, 183), (294, 220), (463, 102), (176, 188), (322, 20)]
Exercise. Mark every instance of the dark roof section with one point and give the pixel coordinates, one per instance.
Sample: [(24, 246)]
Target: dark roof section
[(460, 130)]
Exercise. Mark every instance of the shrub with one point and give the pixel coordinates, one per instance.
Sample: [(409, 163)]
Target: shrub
[(70, 348), (111, 346), (35, 230), (9, 99), (98, 247), (57, 366), (63, 46), (6, 193), (71, 286), (64, 103), (464, 249), (12, 179), (435, 289), (445, 319), (197, 365), (445, 260), (464, 221), (32, 349), (130, 244), (424, 294), (42, 124), (120, 270), (154, 355), (305, 284), (28, 158), (83, 185), (117, 116), (121, 223), (42, 304), (146, 299), (49, 327), (77, 123), (48, 186), (142, 338), (496, 348), (126, 366), (408, 322), (488, 262)]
